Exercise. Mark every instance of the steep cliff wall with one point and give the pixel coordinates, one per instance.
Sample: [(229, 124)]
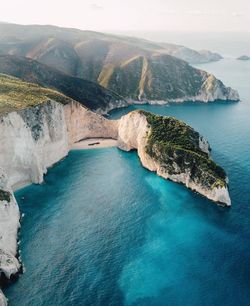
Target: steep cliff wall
[(35, 138), (31, 140), (3, 300), (83, 123), (9, 225), (186, 161)]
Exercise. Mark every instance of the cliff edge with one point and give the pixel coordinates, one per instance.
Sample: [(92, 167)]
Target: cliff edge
[(174, 151)]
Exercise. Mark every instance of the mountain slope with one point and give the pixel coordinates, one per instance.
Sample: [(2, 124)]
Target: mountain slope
[(134, 68), (16, 94), (88, 93), (190, 55)]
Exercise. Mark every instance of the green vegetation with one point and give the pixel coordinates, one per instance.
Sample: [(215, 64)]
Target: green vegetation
[(131, 67), (87, 93), (4, 195), (16, 94), (172, 142)]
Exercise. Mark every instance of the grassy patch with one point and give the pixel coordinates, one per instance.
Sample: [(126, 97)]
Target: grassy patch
[(16, 94), (4, 195), (172, 142)]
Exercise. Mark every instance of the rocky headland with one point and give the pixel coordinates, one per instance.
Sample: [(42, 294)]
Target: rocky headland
[(244, 58), (125, 68), (41, 130)]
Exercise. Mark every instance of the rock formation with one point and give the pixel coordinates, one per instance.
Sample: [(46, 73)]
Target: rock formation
[(244, 58), (38, 127), (175, 151)]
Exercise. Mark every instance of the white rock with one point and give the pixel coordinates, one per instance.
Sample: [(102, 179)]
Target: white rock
[(3, 300), (31, 141), (132, 134)]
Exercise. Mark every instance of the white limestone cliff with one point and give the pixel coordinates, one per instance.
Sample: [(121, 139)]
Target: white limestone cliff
[(9, 225), (3, 300), (31, 141), (34, 139)]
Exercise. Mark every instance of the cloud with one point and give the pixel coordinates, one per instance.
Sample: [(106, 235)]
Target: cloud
[(237, 14), (197, 13), (96, 7), (168, 13)]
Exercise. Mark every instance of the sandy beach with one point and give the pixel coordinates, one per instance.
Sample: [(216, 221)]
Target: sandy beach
[(94, 143)]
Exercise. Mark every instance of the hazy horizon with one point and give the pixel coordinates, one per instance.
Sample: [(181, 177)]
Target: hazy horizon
[(132, 15), (228, 44)]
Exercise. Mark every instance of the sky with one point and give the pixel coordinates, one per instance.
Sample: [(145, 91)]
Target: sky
[(132, 15)]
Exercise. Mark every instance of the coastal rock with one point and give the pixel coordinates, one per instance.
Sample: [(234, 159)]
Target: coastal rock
[(82, 124), (192, 56), (211, 90), (184, 160), (244, 58), (3, 300), (35, 138), (9, 225), (37, 133), (32, 140)]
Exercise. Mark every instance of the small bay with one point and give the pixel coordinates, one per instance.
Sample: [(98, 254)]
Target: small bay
[(102, 230)]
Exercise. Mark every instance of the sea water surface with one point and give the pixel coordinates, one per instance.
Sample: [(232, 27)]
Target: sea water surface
[(102, 230)]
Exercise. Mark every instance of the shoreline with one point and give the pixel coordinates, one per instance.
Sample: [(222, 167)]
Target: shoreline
[(20, 185), (94, 143), (86, 144)]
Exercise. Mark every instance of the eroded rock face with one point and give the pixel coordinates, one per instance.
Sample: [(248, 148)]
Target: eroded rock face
[(35, 138), (3, 300), (9, 225), (83, 123), (173, 162), (31, 141)]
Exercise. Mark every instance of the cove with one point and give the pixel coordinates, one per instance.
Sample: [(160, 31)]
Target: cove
[(102, 230)]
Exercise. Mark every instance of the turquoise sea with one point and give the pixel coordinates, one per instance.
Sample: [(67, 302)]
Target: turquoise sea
[(102, 230)]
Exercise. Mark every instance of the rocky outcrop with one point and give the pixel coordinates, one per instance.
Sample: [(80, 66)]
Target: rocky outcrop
[(192, 56), (83, 123), (244, 58), (185, 160), (3, 300), (32, 140), (35, 138), (211, 90), (9, 225)]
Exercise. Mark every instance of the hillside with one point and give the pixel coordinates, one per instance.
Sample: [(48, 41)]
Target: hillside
[(88, 93), (16, 94), (35, 36), (134, 68), (192, 56)]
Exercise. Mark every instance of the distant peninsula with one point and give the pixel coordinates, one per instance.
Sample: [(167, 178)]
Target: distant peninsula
[(135, 69), (244, 58)]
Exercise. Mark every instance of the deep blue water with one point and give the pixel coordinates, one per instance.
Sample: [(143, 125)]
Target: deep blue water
[(104, 231)]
